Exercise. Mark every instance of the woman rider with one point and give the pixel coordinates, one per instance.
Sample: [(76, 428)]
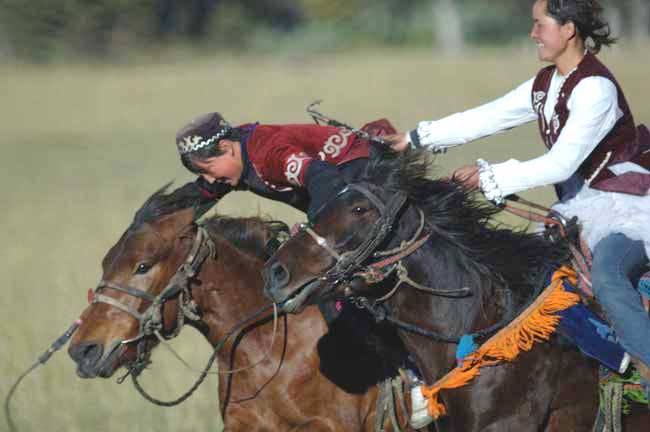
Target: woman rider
[(598, 160)]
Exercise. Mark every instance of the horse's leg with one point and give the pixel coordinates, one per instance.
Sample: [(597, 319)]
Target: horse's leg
[(637, 420), (572, 418), (576, 405)]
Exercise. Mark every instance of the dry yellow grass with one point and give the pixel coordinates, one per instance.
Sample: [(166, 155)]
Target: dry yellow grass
[(83, 146)]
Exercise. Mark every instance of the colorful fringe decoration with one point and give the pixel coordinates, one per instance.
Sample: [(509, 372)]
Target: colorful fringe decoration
[(535, 324)]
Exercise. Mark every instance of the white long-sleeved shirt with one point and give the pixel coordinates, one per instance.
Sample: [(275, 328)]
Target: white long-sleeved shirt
[(594, 111)]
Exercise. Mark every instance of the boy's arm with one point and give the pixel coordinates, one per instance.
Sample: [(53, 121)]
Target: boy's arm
[(322, 181)]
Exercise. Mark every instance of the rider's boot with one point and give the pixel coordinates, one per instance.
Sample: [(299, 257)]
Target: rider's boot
[(625, 364)]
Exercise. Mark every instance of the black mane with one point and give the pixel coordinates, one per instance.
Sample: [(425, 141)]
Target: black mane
[(160, 204), (250, 234), (511, 258)]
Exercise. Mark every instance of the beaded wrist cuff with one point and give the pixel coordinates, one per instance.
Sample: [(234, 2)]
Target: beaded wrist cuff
[(488, 183)]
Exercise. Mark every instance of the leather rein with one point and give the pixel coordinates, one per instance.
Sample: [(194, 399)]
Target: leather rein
[(346, 269), (350, 265), (151, 320)]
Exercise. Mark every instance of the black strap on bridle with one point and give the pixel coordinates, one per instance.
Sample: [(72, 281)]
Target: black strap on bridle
[(350, 265), (202, 376), (349, 262), (381, 313), (202, 248), (151, 320)]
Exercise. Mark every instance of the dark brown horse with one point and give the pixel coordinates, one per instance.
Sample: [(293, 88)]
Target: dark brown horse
[(552, 387), (285, 392)]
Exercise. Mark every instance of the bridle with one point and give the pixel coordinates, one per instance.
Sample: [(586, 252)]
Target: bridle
[(351, 264), (151, 323), (345, 268), (151, 320), (347, 263)]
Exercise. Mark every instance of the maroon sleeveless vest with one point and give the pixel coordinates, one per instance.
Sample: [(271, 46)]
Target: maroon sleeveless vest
[(624, 143)]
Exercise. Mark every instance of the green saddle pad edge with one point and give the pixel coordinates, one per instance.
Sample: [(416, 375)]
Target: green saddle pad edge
[(632, 390)]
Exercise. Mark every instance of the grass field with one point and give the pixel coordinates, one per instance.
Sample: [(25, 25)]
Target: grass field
[(83, 146)]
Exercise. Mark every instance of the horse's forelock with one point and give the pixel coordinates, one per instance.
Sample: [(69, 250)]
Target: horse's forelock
[(162, 204)]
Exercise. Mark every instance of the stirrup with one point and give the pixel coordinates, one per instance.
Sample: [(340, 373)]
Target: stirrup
[(420, 417)]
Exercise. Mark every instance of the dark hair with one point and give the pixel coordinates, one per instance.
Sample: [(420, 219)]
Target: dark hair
[(213, 150), (587, 17)]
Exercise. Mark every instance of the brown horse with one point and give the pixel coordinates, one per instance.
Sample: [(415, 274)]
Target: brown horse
[(287, 391), (453, 273)]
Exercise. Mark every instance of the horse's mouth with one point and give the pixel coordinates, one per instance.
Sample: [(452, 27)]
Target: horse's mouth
[(105, 367), (301, 298)]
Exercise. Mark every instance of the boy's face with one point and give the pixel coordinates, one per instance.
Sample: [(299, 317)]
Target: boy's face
[(226, 168)]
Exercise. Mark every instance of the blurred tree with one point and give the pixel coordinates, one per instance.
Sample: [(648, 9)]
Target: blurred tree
[(43, 29), (448, 26), (32, 27), (193, 17), (635, 17)]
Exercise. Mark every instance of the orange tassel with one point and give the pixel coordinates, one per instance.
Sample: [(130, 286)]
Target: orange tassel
[(535, 324)]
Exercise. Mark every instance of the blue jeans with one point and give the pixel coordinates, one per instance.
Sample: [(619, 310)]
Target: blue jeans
[(616, 261)]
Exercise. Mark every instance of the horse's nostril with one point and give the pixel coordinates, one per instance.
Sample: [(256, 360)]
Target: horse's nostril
[(279, 273), (88, 353)]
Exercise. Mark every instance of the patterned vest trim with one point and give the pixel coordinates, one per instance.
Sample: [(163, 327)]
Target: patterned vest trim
[(297, 197), (624, 143)]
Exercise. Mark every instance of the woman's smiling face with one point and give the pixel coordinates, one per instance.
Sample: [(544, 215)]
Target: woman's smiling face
[(551, 37)]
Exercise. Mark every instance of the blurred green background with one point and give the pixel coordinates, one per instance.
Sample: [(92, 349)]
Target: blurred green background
[(92, 92)]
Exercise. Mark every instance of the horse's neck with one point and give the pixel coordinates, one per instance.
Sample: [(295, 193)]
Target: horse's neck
[(267, 359), (231, 291), (435, 267)]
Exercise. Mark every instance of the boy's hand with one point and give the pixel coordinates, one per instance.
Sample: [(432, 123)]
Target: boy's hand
[(216, 189)]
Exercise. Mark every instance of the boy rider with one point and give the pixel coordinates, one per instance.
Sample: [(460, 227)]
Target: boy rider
[(302, 165)]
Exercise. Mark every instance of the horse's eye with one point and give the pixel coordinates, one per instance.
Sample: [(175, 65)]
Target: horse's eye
[(142, 268), (359, 210)]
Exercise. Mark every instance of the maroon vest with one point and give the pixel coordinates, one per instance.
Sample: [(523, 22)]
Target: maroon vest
[(624, 143)]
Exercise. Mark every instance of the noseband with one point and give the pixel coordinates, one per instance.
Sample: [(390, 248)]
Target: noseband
[(151, 320), (347, 263), (350, 264)]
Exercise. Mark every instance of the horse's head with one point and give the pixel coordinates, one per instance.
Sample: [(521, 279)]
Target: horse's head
[(135, 270), (320, 260), (329, 247)]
